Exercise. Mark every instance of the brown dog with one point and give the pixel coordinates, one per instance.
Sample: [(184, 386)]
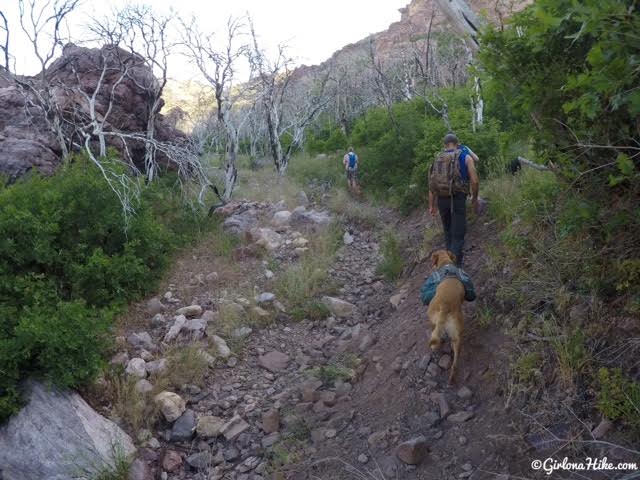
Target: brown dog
[(445, 310)]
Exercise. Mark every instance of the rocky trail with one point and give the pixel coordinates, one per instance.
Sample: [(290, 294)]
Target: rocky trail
[(354, 393)]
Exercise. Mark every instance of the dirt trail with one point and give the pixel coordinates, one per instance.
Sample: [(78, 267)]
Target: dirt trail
[(351, 388), (403, 392)]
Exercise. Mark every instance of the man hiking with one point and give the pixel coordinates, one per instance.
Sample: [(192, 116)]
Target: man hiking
[(451, 178), (350, 162)]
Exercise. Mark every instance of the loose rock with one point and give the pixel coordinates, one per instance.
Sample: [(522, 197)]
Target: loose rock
[(414, 451), (171, 405), (274, 361), (190, 311), (234, 427)]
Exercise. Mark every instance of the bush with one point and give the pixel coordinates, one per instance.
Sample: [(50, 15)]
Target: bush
[(619, 397), (392, 262), (68, 263)]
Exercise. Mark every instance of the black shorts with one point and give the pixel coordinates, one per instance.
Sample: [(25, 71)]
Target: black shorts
[(352, 174)]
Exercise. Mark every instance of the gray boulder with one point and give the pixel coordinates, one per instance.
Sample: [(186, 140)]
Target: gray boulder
[(58, 436)]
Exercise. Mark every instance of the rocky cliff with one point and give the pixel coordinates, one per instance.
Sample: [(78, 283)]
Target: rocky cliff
[(414, 24)]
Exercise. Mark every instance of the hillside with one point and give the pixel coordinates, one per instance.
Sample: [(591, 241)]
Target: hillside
[(414, 24)]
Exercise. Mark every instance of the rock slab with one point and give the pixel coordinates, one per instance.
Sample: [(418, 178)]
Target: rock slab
[(56, 435)]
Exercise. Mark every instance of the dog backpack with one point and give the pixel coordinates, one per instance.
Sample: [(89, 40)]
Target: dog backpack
[(445, 177)]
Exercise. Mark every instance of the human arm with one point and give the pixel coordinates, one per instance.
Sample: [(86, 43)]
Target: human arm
[(432, 204), (473, 180)]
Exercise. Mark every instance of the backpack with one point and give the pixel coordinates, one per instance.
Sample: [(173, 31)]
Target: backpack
[(445, 177), (352, 160)]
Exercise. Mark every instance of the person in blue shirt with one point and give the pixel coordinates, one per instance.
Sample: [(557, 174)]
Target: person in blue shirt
[(350, 162), (452, 208)]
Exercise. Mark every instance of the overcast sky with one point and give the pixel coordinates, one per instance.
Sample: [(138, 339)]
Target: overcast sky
[(313, 29)]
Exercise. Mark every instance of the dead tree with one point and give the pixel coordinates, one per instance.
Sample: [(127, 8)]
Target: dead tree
[(465, 21), (218, 64), (4, 46), (42, 22), (289, 107), (146, 35)]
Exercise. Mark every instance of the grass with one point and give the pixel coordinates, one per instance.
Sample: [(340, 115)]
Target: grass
[(343, 367), (572, 356), (485, 316), (352, 211), (392, 262), (185, 365), (303, 282), (221, 242), (527, 367), (134, 408), (119, 470)]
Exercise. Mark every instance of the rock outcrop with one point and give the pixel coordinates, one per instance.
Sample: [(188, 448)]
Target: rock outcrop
[(26, 140), (58, 436)]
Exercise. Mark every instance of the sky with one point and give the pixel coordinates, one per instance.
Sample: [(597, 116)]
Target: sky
[(312, 29)]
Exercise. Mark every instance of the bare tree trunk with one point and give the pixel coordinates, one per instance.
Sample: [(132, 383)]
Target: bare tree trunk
[(468, 24), (4, 48)]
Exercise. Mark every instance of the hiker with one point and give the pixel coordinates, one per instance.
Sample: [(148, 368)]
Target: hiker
[(350, 162), (451, 178)]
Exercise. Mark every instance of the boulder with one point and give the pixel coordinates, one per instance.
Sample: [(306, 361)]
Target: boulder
[(338, 307), (274, 361), (26, 141), (171, 405), (347, 238), (281, 218), (56, 435)]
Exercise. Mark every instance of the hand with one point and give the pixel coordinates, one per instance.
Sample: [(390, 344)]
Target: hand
[(433, 210), (476, 206)]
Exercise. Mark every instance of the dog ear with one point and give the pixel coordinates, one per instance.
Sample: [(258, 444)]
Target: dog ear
[(434, 259), (452, 256)]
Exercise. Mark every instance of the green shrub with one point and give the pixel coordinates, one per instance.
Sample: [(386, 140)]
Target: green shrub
[(68, 263), (392, 262), (619, 397)]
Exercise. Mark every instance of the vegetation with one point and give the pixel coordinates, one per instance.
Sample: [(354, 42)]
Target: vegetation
[(392, 260), (69, 262), (619, 397), (303, 282)]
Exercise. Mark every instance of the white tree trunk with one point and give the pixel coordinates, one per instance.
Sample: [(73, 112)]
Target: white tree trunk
[(468, 24)]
